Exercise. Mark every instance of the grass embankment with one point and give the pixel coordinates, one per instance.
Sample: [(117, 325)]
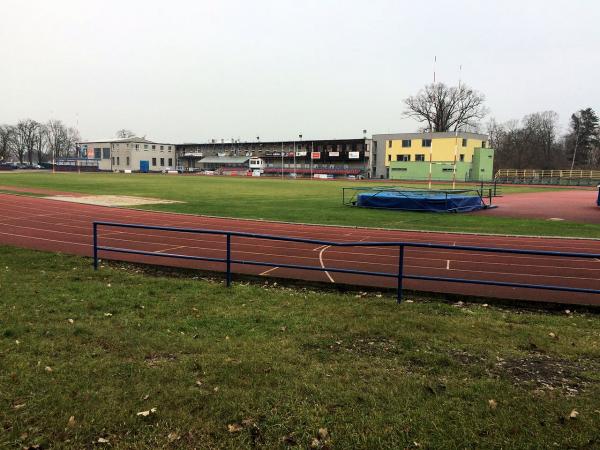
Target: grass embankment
[(303, 201), (83, 353)]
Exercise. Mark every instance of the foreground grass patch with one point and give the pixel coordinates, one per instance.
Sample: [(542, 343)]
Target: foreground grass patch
[(306, 201), (83, 353)]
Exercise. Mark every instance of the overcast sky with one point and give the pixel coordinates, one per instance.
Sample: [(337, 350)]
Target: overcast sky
[(192, 70)]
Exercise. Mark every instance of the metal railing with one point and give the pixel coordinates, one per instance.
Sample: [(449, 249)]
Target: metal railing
[(533, 176), (400, 276)]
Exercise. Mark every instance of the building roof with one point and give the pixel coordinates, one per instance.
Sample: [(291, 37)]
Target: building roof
[(427, 135), (225, 159), (134, 139)]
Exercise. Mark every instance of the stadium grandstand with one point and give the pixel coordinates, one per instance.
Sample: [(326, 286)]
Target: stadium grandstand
[(323, 158)]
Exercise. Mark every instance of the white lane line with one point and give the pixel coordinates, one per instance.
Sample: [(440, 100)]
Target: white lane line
[(171, 248), (323, 265), (269, 270), (319, 248), (447, 264)]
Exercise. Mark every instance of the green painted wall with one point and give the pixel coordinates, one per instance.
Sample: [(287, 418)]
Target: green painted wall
[(481, 169), (483, 164), (400, 170)]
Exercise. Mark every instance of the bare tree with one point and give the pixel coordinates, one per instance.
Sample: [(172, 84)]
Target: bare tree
[(531, 143), (26, 131), (61, 139), (41, 144), (446, 108), (7, 141), (124, 133)]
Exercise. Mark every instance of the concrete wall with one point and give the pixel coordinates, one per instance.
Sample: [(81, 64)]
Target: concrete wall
[(127, 155)]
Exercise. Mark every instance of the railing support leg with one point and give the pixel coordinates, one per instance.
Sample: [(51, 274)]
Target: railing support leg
[(228, 260), (400, 273), (95, 246)]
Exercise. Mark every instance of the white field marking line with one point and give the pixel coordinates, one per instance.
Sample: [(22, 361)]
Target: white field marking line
[(121, 216), (323, 265), (124, 215), (168, 249), (276, 223), (269, 270), (337, 260), (320, 256), (438, 257), (420, 267), (44, 239)]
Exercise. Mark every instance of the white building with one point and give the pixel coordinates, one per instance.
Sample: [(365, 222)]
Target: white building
[(135, 154)]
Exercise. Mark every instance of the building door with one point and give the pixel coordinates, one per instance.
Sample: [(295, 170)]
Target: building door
[(144, 166)]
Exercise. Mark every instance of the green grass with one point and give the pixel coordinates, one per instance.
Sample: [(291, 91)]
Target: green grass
[(279, 364), (290, 200)]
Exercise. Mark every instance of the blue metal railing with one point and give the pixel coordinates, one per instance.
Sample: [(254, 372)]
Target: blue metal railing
[(400, 276)]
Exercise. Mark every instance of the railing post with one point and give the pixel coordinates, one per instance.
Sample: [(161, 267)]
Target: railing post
[(228, 259), (400, 272), (95, 246)]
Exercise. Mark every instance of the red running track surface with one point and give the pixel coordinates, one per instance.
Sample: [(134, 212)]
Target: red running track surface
[(67, 227)]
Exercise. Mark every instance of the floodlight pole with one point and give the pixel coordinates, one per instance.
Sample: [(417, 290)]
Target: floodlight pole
[(295, 174), (282, 160), (430, 157), (455, 155), (312, 150)]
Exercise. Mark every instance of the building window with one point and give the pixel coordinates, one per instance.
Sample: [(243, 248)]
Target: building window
[(464, 142), (170, 161), (483, 144), (462, 157), (128, 161), (97, 153), (106, 153), (162, 147), (406, 143), (402, 157), (426, 142), (389, 144), (154, 147), (113, 160), (389, 157), (137, 146), (145, 146), (169, 147), (420, 157), (118, 161), (447, 169), (162, 162), (154, 161)]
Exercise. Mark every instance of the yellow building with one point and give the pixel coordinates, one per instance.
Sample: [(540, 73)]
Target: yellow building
[(418, 147)]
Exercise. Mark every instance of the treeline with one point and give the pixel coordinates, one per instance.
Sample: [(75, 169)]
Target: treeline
[(34, 142), (535, 142)]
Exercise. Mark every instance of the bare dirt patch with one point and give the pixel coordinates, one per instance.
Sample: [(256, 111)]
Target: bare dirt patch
[(111, 200), (545, 372)]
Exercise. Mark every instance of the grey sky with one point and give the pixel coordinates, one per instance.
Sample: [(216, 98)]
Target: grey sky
[(184, 70)]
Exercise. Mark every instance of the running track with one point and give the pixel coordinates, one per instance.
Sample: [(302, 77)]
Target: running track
[(67, 227)]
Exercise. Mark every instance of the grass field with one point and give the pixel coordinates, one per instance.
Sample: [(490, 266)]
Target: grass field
[(82, 353), (288, 200)]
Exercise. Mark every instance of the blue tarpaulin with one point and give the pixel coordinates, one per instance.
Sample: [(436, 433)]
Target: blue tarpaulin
[(420, 201)]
